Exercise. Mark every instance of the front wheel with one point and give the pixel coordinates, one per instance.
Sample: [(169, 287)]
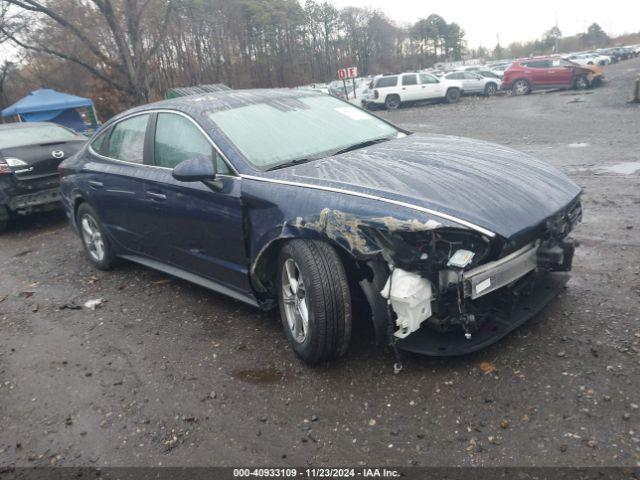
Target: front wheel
[(314, 300), (453, 95), (581, 82), (93, 237), (490, 89)]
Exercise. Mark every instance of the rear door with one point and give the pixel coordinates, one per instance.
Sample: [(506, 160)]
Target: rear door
[(409, 88), (114, 180), (192, 225)]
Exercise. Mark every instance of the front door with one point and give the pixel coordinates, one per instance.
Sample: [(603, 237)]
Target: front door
[(562, 72), (194, 226), (430, 87), (472, 83)]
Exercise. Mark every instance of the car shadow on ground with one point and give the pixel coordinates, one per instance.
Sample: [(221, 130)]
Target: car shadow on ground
[(36, 222)]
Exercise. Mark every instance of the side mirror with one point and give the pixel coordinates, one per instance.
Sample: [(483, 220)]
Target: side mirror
[(195, 169)]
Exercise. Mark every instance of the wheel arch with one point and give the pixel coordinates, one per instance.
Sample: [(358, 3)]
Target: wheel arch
[(263, 268), (77, 201), (363, 277)]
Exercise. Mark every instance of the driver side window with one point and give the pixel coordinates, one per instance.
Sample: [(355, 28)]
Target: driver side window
[(178, 139), (425, 79)]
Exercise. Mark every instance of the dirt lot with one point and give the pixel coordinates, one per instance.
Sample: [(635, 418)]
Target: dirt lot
[(167, 373)]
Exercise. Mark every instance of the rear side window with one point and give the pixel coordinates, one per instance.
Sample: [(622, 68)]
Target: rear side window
[(99, 144), (178, 139), (455, 76), (410, 80), (127, 139), (386, 82)]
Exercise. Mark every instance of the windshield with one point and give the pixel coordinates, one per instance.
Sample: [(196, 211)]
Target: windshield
[(288, 130), (35, 135)]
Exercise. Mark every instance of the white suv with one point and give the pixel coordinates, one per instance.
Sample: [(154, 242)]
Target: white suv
[(393, 90)]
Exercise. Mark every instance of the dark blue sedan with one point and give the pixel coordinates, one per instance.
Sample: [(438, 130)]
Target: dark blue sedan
[(300, 200)]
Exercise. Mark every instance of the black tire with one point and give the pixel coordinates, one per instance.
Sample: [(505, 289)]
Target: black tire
[(452, 95), (327, 300), (392, 102), (108, 259), (3, 226), (581, 83), (521, 87), (490, 89)]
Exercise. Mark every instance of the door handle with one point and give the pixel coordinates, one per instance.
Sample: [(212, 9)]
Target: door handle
[(156, 195), (403, 88), (95, 184)]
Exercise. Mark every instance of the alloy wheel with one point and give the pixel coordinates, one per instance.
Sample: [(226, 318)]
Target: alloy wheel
[(294, 297), (92, 238), (520, 87)]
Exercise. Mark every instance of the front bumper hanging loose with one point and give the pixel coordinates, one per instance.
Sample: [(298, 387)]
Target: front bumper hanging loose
[(430, 342)]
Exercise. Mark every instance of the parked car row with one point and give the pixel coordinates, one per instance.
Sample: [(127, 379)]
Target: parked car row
[(519, 77)]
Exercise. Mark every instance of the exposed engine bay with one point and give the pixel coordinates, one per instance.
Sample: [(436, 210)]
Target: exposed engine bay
[(454, 282)]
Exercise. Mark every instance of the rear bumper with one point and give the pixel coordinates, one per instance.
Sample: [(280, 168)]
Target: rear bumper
[(34, 200), (544, 288)]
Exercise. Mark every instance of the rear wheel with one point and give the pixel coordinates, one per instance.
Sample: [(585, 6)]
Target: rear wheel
[(93, 237), (3, 225), (314, 299), (581, 82), (453, 95), (392, 102), (520, 87), (490, 89)]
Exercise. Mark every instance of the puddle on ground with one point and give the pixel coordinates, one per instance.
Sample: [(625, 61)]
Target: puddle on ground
[(258, 376), (626, 168)]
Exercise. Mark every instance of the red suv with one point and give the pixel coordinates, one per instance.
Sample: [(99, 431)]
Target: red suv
[(529, 74)]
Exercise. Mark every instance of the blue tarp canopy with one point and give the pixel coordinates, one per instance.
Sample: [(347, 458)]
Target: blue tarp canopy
[(48, 105)]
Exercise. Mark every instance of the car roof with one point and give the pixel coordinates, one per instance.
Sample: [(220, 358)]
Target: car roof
[(223, 100)]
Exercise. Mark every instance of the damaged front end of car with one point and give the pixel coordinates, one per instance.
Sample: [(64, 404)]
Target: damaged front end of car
[(450, 291), (433, 283)]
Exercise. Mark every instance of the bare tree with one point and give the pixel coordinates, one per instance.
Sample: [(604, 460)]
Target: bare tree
[(126, 36)]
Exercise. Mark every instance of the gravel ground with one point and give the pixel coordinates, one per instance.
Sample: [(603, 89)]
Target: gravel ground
[(167, 373)]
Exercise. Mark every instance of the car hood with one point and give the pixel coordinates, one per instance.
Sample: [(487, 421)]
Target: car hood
[(489, 185)]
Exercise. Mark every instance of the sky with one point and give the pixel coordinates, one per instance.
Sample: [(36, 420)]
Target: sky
[(513, 21)]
